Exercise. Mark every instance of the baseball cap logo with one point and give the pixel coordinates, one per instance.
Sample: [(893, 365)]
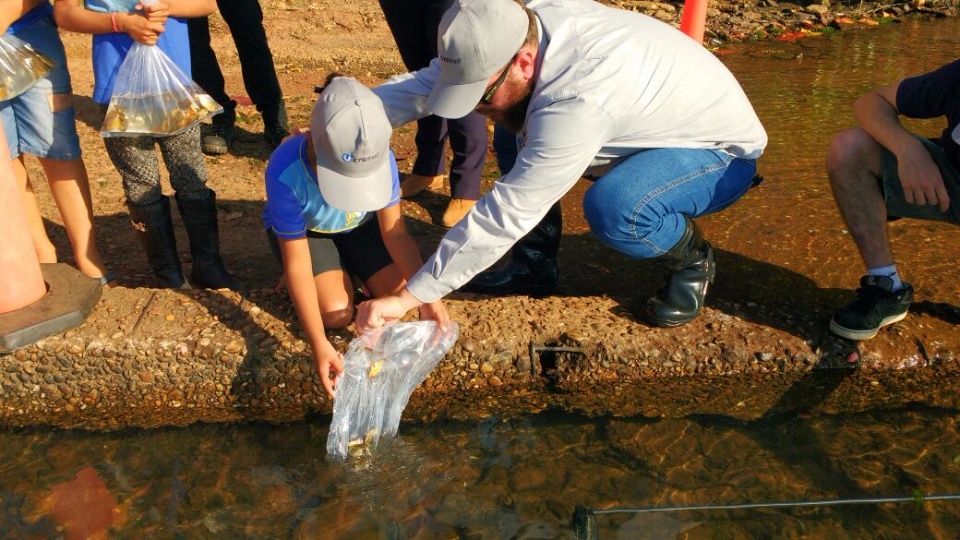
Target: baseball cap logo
[(449, 60), (347, 157)]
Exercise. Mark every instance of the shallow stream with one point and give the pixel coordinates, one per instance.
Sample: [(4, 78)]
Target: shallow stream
[(524, 479)]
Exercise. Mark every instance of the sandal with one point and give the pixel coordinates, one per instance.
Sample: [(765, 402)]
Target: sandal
[(106, 279)]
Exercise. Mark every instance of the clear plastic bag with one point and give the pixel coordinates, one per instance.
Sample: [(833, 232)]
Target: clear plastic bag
[(380, 371), (152, 96), (21, 66)]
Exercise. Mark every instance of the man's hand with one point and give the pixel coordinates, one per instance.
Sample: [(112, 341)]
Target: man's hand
[(435, 311), (326, 357), (379, 312), (921, 179)]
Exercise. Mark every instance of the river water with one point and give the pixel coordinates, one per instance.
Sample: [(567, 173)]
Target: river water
[(525, 478)]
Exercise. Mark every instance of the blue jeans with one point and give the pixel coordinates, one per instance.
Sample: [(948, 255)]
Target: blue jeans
[(31, 125), (638, 207)]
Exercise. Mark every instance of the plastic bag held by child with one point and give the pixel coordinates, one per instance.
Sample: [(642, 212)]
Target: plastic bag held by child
[(21, 66), (152, 96), (380, 371)]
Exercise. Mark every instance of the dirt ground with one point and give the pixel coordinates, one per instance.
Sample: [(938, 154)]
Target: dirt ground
[(311, 38)]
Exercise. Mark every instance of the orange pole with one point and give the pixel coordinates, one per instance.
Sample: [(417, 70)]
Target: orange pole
[(694, 19), (21, 281)]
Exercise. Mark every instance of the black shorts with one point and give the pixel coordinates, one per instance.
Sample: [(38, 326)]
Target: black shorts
[(897, 205), (360, 251)]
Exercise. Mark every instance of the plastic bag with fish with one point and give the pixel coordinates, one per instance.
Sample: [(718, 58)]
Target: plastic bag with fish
[(152, 96), (21, 66), (380, 371)]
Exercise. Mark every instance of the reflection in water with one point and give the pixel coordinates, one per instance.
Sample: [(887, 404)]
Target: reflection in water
[(495, 480), (523, 479)]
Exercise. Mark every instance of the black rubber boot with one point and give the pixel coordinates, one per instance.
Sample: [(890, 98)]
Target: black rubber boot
[(200, 219), (154, 230), (532, 266), (691, 261)]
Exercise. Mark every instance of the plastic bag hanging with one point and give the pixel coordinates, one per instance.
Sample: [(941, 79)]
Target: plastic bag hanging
[(380, 371), (152, 96), (21, 66)]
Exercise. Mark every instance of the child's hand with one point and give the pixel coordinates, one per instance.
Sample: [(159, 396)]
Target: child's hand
[(154, 11), (139, 28), (282, 284), (326, 357)]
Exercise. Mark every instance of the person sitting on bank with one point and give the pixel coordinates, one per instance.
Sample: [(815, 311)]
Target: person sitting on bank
[(333, 209), (658, 122), (881, 171)]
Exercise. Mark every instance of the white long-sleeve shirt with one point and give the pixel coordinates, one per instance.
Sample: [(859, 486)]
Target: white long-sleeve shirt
[(610, 82)]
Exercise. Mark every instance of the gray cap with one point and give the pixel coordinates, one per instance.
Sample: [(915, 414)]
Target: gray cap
[(476, 39), (351, 137)]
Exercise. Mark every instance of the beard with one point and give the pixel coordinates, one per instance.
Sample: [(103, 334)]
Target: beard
[(513, 117)]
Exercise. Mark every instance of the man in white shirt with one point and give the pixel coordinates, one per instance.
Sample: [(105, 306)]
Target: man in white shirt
[(659, 123)]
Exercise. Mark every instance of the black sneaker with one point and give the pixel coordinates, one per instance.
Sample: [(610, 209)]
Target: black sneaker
[(218, 141), (876, 306), (274, 134)]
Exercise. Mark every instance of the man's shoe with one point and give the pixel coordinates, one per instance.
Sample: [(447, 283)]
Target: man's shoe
[(876, 306), (515, 276), (455, 211), (218, 141), (274, 134), (415, 183)]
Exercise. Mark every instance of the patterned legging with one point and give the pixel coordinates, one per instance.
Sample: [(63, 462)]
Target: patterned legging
[(135, 158)]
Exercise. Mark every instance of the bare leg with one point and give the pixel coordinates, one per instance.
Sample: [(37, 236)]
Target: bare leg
[(335, 295), (854, 166), (70, 187), (46, 252), (388, 280)]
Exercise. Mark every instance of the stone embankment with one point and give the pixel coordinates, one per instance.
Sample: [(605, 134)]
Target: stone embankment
[(179, 357)]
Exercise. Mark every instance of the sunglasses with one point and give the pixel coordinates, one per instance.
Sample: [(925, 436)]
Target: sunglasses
[(488, 95)]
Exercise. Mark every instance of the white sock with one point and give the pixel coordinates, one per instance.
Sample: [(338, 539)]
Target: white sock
[(890, 272)]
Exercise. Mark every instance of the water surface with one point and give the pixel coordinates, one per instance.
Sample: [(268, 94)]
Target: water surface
[(523, 479)]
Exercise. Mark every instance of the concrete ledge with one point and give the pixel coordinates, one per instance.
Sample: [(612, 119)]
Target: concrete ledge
[(148, 358)]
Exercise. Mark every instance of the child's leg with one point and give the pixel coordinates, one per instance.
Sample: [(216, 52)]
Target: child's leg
[(334, 287), (135, 158), (185, 163), (71, 191), (45, 125), (388, 280), (46, 252), (365, 255), (335, 295), (198, 208)]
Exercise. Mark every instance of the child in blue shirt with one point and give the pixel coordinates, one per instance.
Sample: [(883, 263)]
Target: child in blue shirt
[(115, 25), (41, 122), (333, 209)]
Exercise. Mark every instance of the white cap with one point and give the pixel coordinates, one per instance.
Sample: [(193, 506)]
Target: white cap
[(476, 39), (351, 137)]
